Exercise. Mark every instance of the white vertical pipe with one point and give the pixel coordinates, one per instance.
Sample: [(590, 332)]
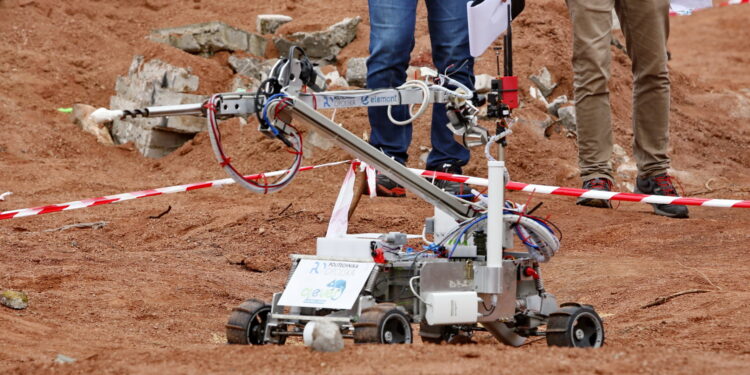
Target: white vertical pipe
[(495, 227)]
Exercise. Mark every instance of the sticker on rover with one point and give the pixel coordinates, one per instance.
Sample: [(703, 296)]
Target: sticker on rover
[(326, 284)]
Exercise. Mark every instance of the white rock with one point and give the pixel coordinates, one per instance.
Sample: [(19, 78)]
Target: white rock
[(326, 337)]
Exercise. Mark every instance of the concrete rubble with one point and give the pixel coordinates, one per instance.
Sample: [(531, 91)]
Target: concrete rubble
[(356, 71), (269, 23), (247, 66), (209, 38), (554, 106), (568, 118), (321, 45), (543, 81), (149, 84), (14, 299)]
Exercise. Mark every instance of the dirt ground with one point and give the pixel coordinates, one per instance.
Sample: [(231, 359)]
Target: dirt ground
[(152, 295)]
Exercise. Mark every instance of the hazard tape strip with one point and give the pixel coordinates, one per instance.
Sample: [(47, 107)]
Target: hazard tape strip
[(91, 202), (687, 12), (519, 186), (596, 194)]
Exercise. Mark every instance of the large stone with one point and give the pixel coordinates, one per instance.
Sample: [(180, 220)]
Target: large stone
[(567, 117), (326, 337), (356, 71), (81, 113), (247, 66), (554, 107), (334, 79), (155, 83), (14, 299), (321, 45), (543, 81), (209, 38), (269, 23)]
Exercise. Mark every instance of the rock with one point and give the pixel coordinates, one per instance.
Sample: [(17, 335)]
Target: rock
[(483, 83), (81, 118), (247, 66), (152, 83), (356, 71), (14, 299), (543, 80), (62, 358), (567, 117), (325, 337), (335, 79), (553, 107), (209, 38), (269, 23), (321, 45)]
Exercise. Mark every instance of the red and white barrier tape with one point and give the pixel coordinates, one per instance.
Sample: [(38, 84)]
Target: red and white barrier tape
[(520, 186), (683, 11), (144, 193), (573, 192)]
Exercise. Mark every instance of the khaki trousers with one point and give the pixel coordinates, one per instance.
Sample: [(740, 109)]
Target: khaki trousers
[(645, 24)]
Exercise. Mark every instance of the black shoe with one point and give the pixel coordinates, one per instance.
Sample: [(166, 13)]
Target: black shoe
[(385, 187), (601, 183), (661, 184), (451, 187)]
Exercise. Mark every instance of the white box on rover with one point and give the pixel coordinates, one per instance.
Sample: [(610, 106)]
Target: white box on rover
[(347, 247), (451, 307)]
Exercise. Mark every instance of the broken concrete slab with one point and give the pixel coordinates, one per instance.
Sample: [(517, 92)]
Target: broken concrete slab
[(209, 38), (543, 81), (356, 71), (567, 117), (81, 117), (552, 108), (151, 83), (269, 23), (321, 45), (247, 66)]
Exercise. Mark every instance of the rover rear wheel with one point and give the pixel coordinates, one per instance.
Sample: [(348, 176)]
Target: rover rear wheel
[(576, 326), (248, 322)]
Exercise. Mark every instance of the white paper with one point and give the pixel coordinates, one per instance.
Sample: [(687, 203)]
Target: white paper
[(686, 7), (486, 22), (326, 284)]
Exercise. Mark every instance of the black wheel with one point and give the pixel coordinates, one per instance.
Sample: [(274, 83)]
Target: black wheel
[(247, 323), (576, 326), (383, 324)]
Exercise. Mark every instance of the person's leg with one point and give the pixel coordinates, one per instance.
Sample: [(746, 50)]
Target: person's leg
[(645, 24), (391, 41), (592, 34), (449, 37)]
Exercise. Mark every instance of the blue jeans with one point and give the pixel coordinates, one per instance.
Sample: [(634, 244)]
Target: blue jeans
[(392, 25)]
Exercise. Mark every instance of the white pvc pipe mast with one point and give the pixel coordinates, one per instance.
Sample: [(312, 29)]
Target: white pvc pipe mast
[(495, 227)]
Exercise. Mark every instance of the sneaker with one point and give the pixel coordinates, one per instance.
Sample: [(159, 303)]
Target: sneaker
[(661, 184), (601, 183), (385, 187), (451, 187)]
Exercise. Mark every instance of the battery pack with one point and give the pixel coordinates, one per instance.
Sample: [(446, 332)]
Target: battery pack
[(451, 308)]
